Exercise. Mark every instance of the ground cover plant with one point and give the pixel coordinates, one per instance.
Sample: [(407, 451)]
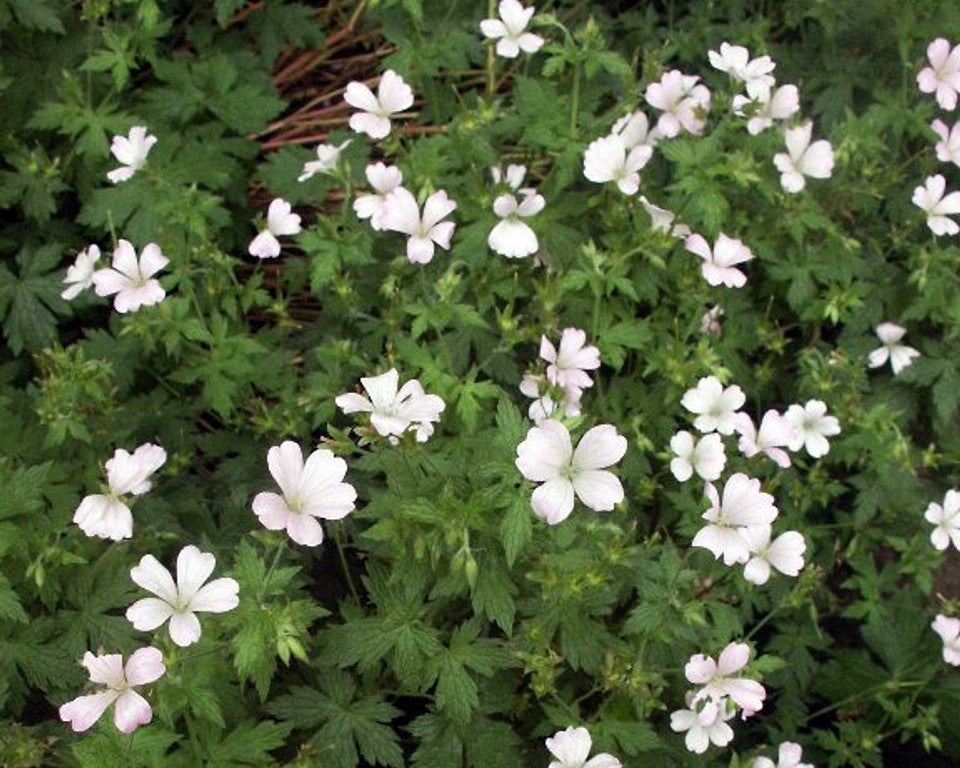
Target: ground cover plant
[(457, 384)]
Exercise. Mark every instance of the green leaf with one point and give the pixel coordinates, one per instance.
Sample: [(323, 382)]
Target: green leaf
[(516, 529), (10, 606), (36, 14), (248, 744)]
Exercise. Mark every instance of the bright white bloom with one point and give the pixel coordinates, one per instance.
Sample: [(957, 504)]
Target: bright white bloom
[(718, 265), (946, 520), (131, 710), (132, 280), (634, 130), (716, 407), (512, 237), (930, 197), (571, 747), (607, 159), (181, 601), (766, 107), (80, 273), (788, 756), (662, 220), (949, 631), (393, 95), (785, 553), (735, 61), (544, 406), (280, 221), (402, 214), (812, 427), (384, 180), (547, 456), (775, 434), (328, 155), (948, 148), (510, 30), (705, 456), (710, 322), (717, 683), (131, 151), (393, 411), (513, 178), (704, 723), (943, 74), (311, 489), (803, 158), (743, 505), (106, 515), (680, 99), (900, 355), (568, 367)]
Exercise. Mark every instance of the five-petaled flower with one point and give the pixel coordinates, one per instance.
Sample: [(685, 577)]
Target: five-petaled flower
[(949, 631), (403, 215), (803, 159), (571, 748), (943, 75), (131, 710), (568, 367), (753, 73), (716, 407), (743, 505), (705, 722), (785, 553), (900, 355), (384, 180), (811, 427), (130, 150), (946, 519), (393, 96), (510, 30), (80, 273), (512, 237), (938, 206), (682, 101), (180, 601), (717, 683), (132, 279), (394, 410), (328, 156), (280, 221), (719, 265), (608, 159)]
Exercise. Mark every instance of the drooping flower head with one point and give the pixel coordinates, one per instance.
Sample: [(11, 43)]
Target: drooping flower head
[(393, 96), (132, 280), (949, 631), (719, 265), (402, 214), (384, 180), (900, 355), (280, 221), (80, 273), (394, 409), (571, 747), (803, 159), (938, 204), (512, 237), (943, 75), (328, 157), (717, 681), (662, 220), (743, 505), (131, 151)]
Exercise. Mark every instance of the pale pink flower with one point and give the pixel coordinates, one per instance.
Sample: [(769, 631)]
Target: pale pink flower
[(402, 214), (937, 205), (571, 747), (80, 273), (634, 130), (180, 601), (774, 435), (568, 367), (949, 631), (705, 723), (311, 489), (131, 710), (608, 159), (384, 180), (544, 406), (547, 456), (812, 427), (716, 681), (718, 265), (510, 30), (107, 516), (394, 410), (513, 178), (681, 100), (512, 237), (662, 220), (803, 159), (943, 75), (131, 151), (743, 505), (280, 221), (716, 407), (704, 456), (710, 322), (788, 756), (900, 355), (948, 148), (946, 520), (784, 554), (132, 279), (766, 107), (735, 61), (328, 156), (393, 96)]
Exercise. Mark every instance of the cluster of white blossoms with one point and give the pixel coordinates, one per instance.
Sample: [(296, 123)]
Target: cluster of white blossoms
[(129, 278), (561, 386), (393, 409), (571, 749)]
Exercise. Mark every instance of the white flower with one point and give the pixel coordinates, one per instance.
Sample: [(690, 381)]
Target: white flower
[(402, 214), (943, 74), (705, 457), (131, 151), (311, 489), (513, 178), (948, 148), (384, 180), (704, 723), (607, 159), (775, 433), (80, 273), (547, 456), (788, 756), (106, 515), (179, 602), (785, 553), (718, 265), (634, 130), (510, 30), (710, 322), (744, 505), (812, 427), (900, 355), (716, 407), (735, 61), (544, 406), (681, 100), (280, 221), (131, 710), (393, 95), (511, 237), (393, 411), (328, 155), (568, 367), (662, 220), (766, 107), (949, 631), (946, 520), (717, 683), (571, 747), (131, 279), (930, 197), (803, 158)]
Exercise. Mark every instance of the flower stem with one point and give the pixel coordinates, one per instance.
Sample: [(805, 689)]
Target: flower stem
[(575, 98), (491, 54), (337, 538)]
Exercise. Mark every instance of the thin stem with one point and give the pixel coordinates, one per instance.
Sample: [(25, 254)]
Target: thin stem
[(337, 538), (575, 98), (491, 54)]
